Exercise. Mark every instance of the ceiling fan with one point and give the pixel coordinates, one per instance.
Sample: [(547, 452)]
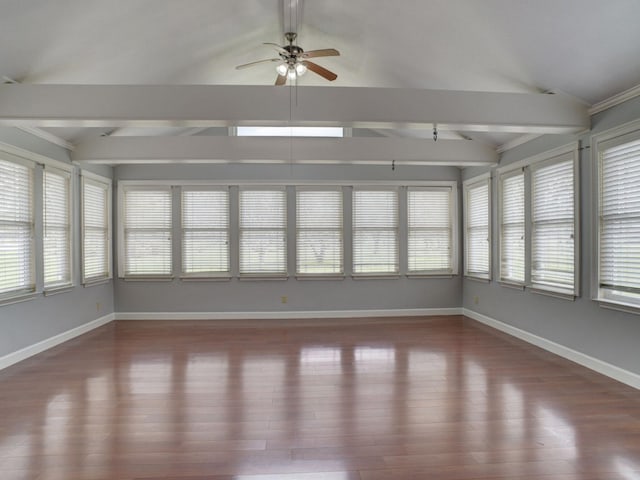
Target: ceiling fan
[(293, 61)]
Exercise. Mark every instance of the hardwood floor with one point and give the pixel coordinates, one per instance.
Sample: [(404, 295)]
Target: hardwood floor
[(433, 398)]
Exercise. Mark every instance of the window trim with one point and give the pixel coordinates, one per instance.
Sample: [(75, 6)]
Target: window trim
[(526, 166), (466, 186), (217, 276), (376, 275), (101, 181), (121, 232), (321, 276), (619, 135), (452, 189), (67, 172)]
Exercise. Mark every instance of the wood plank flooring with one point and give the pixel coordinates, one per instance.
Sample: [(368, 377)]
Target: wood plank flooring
[(360, 399)]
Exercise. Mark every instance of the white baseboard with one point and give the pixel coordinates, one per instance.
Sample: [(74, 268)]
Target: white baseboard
[(617, 373), (39, 347), (284, 315)]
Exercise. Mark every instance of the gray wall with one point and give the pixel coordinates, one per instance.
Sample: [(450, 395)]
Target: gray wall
[(306, 295), (581, 325), (26, 323)]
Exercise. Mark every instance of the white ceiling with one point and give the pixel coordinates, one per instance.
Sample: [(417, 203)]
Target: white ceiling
[(584, 48)]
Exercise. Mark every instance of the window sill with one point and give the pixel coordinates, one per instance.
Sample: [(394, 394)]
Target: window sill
[(515, 286), (311, 276), (477, 279), (258, 278), (21, 297), (149, 278), (96, 282), (210, 278), (618, 306), (57, 290), (563, 294), (375, 276), (429, 275)]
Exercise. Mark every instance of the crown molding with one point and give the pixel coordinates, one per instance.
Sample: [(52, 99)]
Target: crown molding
[(48, 137), (516, 142), (615, 100)]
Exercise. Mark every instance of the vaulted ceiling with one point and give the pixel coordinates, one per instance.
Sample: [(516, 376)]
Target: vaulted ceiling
[(583, 49)]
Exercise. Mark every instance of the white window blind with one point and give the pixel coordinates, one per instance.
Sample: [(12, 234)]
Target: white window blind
[(319, 231), (375, 231), (96, 230), (512, 219), (620, 219), (263, 232), (429, 230), (477, 229), (205, 232), (147, 232), (57, 228), (553, 225), (16, 229)]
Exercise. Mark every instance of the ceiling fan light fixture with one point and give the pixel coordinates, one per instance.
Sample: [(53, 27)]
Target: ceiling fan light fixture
[(282, 69), (301, 69)]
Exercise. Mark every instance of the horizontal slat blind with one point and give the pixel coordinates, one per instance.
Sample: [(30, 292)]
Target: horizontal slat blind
[(263, 232), (620, 218), (57, 228), (429, 230), (375, 231), (319, 231), (477, 242), (147, 232), (553, 225), (512, 242), (96, 234), (205, 232), (16, 228)]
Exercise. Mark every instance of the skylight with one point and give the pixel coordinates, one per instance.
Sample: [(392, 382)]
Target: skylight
[(290, 132)]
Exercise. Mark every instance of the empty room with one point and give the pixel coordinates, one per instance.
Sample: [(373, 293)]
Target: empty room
[(319, 240)]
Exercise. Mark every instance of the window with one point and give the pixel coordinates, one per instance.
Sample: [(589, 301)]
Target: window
[(57, 228), (16, 228), (96, 229), (619, 219), (319, 231), (430, 242), (512, 228), (205, 232), (477, 221), (553, 224), (263, 231), (375, 231), (147, 232)]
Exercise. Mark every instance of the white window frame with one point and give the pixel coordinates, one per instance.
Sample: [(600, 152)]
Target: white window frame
[(68, 174), (264, 275), (208, 275), (386, 188), (106, 184), (452, 190), (19, 294), (571, 154), (468, 185), (525, 166), (121, 231), (340, 273), (620, 135)]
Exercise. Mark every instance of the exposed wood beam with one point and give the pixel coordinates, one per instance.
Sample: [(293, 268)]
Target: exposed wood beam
[(206, 149), (222, 105)]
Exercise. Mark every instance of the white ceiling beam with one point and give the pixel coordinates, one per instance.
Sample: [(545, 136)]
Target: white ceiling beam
[(209, 149), (229, 105)]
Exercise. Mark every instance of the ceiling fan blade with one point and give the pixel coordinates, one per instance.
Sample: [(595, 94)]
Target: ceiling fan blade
[(281, 80), (279, 48), (251, 64), (327, 52), (323, 72)]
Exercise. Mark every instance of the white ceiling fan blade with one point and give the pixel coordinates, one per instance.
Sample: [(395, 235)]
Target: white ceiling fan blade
[(251, 64)]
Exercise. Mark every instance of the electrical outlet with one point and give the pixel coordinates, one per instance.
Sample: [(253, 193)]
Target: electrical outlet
[(476, 300), (283, 299)]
